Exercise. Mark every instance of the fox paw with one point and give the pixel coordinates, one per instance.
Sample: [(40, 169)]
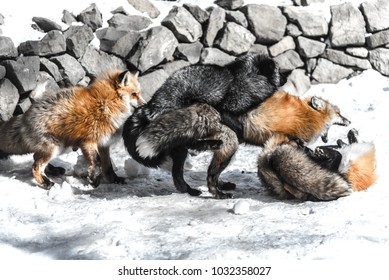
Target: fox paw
[(95, 181), (47, 184), (227, 186), (222, 195), (193, 192)]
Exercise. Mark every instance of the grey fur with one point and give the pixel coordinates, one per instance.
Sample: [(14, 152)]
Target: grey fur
[(286, 166)]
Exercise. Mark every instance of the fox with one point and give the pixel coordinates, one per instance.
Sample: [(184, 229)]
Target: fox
[(233, 90), (326, 173), (90, 118), (201, 127)]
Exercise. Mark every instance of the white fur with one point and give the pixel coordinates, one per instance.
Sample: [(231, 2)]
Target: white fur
[(144, 148), (351, 152)]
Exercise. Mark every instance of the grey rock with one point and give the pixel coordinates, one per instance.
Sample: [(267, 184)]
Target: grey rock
[(173, 66), (84, 82), (7, 48), (341, 58), (230, 4), (51, 44), (8, 99), (376, 14), (46, 25), (158, 44), (68, 17), (23, 72), (289, 61), (215, 56), (379, 58), (1, 19), (77, 39), (286, 43), (266, 22), (199, 14), (216, 20), (329, 73), (145, 6), (97, 62), (51, 68), (92, 17), (378, 39), (293, 30), (150, 82), (237, 17), (190, 52), (122, 45), (46, 86), (297, 83), (235, 39), (306, 2), (183, 25), (258, 48), (309, 48), (129, 23), (23, 106), (347, 26), (120, 10), (310, 23), (358, 52), (70, 69)]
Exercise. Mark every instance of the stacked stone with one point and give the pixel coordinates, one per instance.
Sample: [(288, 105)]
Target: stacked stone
[(308, 47)]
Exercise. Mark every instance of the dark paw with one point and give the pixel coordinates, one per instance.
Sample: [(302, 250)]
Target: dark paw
[(54, 170), (340, 143), (227, 186), (47, 184), (222, 195), (352, 136), (319, 152), (193, 192), (95, 181)]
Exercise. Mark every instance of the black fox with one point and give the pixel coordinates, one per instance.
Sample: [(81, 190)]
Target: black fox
[(200, 127), (232, 90)]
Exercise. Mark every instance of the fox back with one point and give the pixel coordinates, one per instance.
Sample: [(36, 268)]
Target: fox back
[(304, 119)]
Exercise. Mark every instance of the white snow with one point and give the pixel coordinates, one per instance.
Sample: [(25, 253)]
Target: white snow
[(146, 218)]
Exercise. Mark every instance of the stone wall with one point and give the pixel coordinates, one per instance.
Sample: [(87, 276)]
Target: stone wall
[(308, 48)]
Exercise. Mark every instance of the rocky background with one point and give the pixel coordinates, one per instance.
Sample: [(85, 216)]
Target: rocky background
[(308, 48)]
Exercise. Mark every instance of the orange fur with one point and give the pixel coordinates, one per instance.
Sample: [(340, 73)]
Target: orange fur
[(362, 172), (286, 114)]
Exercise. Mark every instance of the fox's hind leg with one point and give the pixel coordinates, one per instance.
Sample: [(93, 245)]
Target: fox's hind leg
[(352, 136), (179, 155), (221, 159), (89, 151), (41, 160), (107, 168)]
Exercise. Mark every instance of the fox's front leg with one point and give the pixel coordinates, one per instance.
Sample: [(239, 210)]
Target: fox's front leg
[(107, 168), (90, 153)]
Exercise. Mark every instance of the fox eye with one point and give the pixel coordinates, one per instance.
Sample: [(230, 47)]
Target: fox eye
[(134, 94)]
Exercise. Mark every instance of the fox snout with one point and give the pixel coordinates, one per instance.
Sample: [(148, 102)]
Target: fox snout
[(343, 121)]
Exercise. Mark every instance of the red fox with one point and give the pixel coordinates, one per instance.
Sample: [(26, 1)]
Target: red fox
[(90, 118), (327, 173), (200, 127)]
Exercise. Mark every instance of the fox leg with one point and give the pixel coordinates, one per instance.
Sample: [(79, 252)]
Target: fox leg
[(179, 156), (352, 136), (90, 153), (107, 168), (41, 160), (221, 159)]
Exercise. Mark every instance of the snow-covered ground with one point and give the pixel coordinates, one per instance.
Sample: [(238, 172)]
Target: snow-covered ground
[(147, 219)]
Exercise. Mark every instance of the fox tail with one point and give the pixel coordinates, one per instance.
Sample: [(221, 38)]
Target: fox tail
[(151, 141)]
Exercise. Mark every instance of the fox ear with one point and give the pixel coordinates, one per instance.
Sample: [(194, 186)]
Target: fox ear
[(317, 103), (124, 78)]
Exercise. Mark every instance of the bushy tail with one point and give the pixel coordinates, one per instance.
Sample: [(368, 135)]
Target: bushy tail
[(150, 142), (359, 165), (293, 168)]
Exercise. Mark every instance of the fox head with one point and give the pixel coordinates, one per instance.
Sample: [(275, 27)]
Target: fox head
[(128, 87), (330, 113)]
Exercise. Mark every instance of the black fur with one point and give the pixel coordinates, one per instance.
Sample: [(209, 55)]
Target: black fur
[(232, 90)]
